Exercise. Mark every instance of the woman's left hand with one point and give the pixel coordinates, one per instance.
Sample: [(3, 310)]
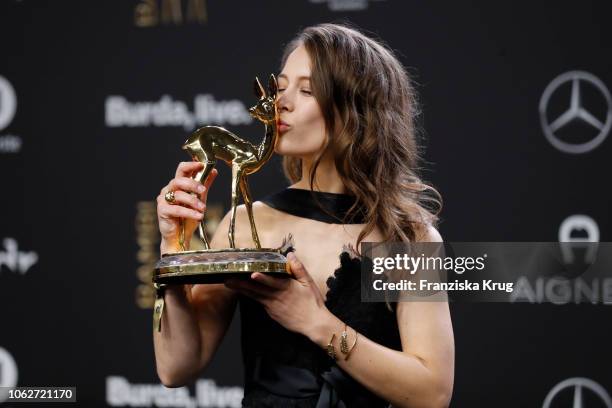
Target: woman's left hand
[(297, 304)]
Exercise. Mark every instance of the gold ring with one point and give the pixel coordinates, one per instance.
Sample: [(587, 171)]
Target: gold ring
[(169, 196)]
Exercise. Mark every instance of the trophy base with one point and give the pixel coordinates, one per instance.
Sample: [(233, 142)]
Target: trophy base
[(217, 265)]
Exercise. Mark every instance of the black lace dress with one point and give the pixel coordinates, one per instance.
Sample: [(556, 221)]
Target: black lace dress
[(286, 369)]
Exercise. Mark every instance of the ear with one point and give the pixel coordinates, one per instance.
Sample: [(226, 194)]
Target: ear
[(272, 86), (259, 90)]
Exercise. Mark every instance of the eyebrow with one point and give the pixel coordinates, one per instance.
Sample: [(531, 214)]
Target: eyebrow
[(299, 78)]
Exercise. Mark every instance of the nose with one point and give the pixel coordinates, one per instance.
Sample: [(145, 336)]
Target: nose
[(284, 102)]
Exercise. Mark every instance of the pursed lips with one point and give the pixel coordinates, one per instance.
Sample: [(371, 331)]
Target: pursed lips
[(283, 126)]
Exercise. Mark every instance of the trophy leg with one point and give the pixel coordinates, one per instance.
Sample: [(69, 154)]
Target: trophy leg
[(248, 202), (202, 234), (236, 175), (201, 177)]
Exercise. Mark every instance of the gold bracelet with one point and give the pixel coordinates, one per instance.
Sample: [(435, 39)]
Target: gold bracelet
[(330, 347), (344, 344), (352, 347)]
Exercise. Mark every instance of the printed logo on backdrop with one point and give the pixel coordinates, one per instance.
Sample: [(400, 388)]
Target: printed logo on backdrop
[(579, 246), (121, 393), (574, 391), (119, 112), (590, 234), (8, 372), (13, 259), (151, 13), (576, 112), (8, 107), (346, 5)]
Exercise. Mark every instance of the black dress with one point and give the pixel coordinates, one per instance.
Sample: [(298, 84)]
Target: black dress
[(284, 368)]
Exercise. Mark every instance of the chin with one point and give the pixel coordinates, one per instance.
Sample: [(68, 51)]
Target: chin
[(293, 148), (288, 148), (289, 153)]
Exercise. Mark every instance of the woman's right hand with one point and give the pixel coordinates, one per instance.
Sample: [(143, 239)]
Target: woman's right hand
[(190, 207)]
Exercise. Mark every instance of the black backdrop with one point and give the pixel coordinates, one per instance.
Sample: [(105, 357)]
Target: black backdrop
[(102, 92)]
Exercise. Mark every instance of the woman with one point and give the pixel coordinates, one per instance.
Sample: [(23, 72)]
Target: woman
[(347, 113)]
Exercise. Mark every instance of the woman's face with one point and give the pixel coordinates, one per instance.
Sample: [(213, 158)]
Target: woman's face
[(302, 129)]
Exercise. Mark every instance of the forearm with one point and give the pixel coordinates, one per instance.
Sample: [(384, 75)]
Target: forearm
[(177, 345), (396, 376)]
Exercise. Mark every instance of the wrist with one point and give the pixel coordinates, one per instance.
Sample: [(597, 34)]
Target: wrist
[(180, 292), (323, 328)]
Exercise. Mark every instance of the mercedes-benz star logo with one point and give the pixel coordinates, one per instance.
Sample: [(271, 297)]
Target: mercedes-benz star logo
[(8, 373), (578, 384), (575, 111), (8, 102)]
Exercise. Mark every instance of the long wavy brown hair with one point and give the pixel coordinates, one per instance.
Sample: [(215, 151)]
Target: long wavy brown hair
[(359, 81)]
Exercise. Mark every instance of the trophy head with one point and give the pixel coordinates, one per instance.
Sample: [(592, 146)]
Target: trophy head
[(265, 110), (193, 146)]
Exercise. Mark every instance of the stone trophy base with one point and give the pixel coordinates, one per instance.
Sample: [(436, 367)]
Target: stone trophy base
[(217, 265)]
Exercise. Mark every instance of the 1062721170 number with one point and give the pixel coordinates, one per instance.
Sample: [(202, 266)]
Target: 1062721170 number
[(38, 394)]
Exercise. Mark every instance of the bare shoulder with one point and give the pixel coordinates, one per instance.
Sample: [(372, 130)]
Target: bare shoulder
[(262, 213), (221, 238), (260, 210), (427, 233), (265, 219)]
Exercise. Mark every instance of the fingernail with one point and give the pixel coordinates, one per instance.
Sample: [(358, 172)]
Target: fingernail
[(200, 205), (201, 188)]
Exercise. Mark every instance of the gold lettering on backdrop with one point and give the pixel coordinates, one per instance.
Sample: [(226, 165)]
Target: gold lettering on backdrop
[(148, 240), (196, 11), (171, 12), (147, 12)]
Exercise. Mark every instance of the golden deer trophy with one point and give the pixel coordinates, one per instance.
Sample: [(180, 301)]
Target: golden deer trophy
[(207, 144)]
